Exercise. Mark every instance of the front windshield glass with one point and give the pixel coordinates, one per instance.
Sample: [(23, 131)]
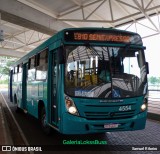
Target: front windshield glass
[(104, 72)]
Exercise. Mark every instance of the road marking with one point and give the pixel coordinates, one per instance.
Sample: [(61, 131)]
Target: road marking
[(19, 129)]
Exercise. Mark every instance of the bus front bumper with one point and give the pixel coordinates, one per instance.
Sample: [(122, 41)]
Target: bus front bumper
[(77, 125)]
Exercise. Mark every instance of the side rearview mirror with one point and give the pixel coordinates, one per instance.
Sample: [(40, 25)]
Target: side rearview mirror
[(147, 67)]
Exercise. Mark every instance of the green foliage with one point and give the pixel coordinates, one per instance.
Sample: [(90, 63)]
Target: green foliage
[(4, 81), (154, 80), (4, 68)]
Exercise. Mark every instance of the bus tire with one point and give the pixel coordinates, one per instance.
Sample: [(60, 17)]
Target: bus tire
[(18, 110), (46, 129)]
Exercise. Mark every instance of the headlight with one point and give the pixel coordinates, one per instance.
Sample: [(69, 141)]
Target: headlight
[(72, 109), (71, 106), (144, 105)]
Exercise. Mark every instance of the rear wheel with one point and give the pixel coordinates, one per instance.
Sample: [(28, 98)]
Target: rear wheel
[(16, 102), (43, 121)]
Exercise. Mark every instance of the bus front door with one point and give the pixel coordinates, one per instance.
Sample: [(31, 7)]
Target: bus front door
[(10, 94), (55, 74), (24, 86)]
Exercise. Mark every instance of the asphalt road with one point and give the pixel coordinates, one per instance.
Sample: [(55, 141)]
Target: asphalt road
[(35, 136), (54, 142)]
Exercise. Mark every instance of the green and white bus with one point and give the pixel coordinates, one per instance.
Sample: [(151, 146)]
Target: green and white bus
[(84, 80)]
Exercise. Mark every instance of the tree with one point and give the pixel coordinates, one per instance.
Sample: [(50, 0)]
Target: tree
[(5, 67), (153, 80)]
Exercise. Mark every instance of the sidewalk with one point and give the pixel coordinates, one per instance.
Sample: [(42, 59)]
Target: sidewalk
[(10, 133), (5, 138)]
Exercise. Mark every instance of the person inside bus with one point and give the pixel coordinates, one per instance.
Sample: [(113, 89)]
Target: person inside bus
[(103, 70), (117, 66), (71, 74)]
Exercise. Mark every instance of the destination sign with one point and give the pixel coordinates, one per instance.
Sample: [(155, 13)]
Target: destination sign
[(102, 36)]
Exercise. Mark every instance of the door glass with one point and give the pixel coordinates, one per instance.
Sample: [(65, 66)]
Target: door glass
[(54, 82)]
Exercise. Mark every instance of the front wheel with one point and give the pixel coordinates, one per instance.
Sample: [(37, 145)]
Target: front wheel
[(43, 121)]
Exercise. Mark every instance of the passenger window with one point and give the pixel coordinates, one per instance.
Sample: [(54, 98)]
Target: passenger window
[(31, 69), (42, 65), (15, 69), (41, 72), (15, 77), (15, 74), (20, 68), (19, 77), (32, 62), (31, 74)]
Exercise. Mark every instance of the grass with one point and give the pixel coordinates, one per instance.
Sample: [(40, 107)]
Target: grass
[(3, 86)]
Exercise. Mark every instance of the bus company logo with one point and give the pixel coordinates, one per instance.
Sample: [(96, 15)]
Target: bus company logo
[(6, 148)]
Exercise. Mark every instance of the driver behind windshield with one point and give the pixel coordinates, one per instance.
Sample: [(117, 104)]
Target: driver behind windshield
[(104, 71)]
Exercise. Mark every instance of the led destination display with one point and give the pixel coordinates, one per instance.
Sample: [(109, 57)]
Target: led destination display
[(102, 36)]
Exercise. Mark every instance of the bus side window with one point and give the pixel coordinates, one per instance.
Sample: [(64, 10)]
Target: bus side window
[(19, 75), (31, 69), (15, 74), (16, 69), (42, 67)]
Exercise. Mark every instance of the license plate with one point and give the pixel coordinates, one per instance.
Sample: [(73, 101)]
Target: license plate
[(111, 125)]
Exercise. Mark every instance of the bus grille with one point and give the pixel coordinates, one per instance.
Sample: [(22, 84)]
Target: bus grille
[(109, 115)]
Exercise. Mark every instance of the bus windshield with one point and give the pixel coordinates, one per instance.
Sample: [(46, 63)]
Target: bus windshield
[(105, 72)]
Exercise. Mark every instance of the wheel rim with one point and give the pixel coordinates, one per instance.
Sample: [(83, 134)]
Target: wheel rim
[(44, 121)]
